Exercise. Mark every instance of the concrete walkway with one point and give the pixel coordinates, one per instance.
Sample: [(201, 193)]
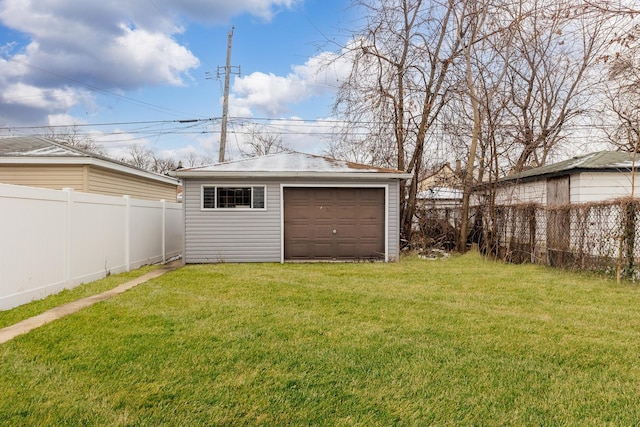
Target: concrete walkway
[(10, 332)]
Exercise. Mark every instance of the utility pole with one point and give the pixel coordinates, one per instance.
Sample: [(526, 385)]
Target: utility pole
[(225, 102)]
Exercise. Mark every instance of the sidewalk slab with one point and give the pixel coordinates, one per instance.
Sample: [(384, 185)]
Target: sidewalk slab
[(27, 325)]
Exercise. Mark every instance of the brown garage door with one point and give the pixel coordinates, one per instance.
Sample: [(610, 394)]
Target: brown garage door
[(333, 223)]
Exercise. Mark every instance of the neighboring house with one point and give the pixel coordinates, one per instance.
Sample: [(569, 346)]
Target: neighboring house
[(290, 207), (593, 177), (444, 177), (439, 196), (39, 162), (441, 189)]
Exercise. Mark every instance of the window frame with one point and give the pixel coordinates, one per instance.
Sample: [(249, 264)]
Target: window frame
[(215, 188)]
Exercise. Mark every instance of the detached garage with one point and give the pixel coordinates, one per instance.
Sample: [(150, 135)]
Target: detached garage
[(290, 207)]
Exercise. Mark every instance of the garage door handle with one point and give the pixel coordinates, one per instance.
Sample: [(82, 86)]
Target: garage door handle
[(334, 231)]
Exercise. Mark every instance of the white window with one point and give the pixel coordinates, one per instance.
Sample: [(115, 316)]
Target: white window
[(233, 197)]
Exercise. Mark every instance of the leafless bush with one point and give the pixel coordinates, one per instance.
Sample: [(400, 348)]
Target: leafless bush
[(602, 237)]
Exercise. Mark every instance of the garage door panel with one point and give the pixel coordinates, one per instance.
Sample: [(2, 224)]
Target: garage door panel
[(311, 234), (300, 250), (370, 212), (356, 214), (342, 234), (371, 197), (369, 232), (323, 213)]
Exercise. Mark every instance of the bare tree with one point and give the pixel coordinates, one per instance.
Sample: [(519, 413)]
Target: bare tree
[(72, 137), (490, 27), (150, 160), (559, 42), (140, 157), (398, 85), (192, 160), (162, 165), (262, 144), (526, 73), (623, 91)]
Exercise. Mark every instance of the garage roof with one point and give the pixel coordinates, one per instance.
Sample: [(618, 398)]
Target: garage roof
[(602, 161), (290, 164)]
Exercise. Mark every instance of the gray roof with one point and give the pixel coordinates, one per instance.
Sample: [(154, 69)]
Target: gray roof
[(601, 161), (290, 164), (36, 149), (36, 146)]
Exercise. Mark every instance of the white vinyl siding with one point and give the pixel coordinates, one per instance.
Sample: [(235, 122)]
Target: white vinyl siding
[(516, 193), (598, 186), (584, 187)]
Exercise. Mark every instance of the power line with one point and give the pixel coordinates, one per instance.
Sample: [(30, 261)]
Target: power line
[(278, 123), (71, 125)]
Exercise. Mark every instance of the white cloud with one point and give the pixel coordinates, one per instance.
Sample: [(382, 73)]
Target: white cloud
[(267, 93), (274, 95), (110, 44), (153, 58), (122, 45), (63, 120), (223, 10)]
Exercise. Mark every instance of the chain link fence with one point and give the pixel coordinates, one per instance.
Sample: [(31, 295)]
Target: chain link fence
[(602, 237), (599, 237)]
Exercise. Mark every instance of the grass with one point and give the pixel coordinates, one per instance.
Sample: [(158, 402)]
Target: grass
[(461, 341), (15, 315)]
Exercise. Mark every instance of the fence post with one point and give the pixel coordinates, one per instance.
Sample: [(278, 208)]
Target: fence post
[(68, 234), (163, 205), (630, 236), (127, 233), (531, 212)]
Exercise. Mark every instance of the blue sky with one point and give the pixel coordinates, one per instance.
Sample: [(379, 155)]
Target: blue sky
[(126, 71)]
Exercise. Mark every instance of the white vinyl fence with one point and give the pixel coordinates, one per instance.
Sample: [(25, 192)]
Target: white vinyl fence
[(51, 240)]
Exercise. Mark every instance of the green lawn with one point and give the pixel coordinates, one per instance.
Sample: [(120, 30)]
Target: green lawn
[(9, 317), (460, 341)]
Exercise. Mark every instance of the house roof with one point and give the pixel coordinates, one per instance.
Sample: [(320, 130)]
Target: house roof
[(444, 176), (290, 164), (443, 169), (602, 161), (39, 150)]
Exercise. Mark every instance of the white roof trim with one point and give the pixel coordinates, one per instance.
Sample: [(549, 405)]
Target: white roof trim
[(290, 174), (71, 160)]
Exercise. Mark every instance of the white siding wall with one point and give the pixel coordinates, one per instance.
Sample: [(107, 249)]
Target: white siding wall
[(54, 239), (255, 236), (599, 186), (394, 220), (522, 192), (584, 187)]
